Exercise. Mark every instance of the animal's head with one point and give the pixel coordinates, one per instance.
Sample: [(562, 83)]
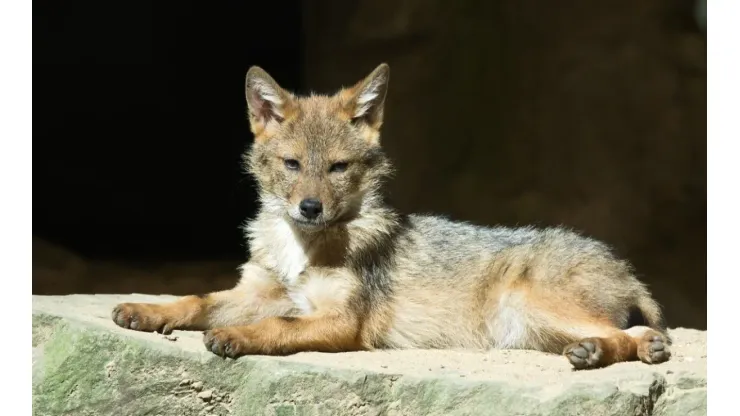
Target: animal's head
[(317, 159)]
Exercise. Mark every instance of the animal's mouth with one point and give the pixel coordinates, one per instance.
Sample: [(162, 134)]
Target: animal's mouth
[(310, 224)]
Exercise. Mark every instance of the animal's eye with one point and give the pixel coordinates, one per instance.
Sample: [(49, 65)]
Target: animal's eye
[(338, 167), (292, 164)]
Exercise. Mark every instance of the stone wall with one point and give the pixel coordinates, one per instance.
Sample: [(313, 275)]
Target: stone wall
[(528, 112)]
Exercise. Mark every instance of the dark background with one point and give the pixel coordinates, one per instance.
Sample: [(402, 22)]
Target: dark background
[(587, 114)]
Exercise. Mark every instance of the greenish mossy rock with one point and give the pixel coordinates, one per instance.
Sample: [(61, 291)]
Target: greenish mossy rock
[(84, 365)]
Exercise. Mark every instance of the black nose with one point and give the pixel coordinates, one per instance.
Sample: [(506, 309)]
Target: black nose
[(310, 208)]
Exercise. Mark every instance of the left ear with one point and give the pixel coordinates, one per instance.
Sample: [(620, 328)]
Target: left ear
[(367, 97), (267, 102)]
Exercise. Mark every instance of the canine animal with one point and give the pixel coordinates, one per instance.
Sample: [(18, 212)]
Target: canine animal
[(334, 268)]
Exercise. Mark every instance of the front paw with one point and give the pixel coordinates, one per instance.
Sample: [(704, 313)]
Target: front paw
[(142, 317), (228, 342)]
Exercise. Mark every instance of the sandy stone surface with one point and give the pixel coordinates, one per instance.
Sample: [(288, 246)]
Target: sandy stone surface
[(550, 375), (689, 350)]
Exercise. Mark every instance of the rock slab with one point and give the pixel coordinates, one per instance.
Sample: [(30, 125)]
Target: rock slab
[(85, 365)]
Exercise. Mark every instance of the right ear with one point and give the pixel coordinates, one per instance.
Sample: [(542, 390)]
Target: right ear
[(266, 101), (368, 97)]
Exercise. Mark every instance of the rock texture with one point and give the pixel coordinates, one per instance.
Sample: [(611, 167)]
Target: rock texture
[(85, 365)]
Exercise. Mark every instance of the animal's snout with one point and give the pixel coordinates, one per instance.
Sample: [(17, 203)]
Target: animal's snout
[(310, 208)]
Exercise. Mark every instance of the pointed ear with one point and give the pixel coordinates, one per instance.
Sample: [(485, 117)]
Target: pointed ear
[(266, 101), (367, 97)]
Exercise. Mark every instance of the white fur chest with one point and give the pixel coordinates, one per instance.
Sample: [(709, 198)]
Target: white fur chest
[(286, 254)]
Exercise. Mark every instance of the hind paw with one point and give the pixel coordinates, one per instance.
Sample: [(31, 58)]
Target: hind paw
[(585, 354), (653, 348)]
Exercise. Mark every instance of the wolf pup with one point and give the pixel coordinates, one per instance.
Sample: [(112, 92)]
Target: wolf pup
[(333, 268)]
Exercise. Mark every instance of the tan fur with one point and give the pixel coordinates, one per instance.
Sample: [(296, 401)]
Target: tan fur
[(360, 275), (327, 324)]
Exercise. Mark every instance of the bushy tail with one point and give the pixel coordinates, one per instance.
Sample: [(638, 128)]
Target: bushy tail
[(653, 315)]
